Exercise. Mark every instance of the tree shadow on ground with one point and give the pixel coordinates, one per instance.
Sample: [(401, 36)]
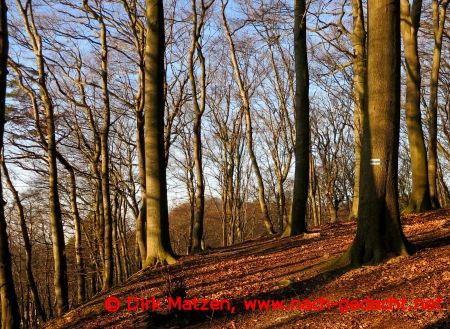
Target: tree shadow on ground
[(298, 290)]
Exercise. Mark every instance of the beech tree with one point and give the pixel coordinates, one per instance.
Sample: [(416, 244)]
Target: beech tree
[(59, 254), (245, 99), (439, 16), (379, 233), (159, 249), (199, 105), (360, 90), (296, 221), (10, 308), (187, 124), (410, 22)]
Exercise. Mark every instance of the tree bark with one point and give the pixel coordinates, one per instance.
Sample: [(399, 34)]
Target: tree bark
[(159, 249), (104, 135), (410, 22), (359, 72), (142, 216), (439, 15), (297, 218), (10, 307), (108, 257), (379, 233), (81, 273)]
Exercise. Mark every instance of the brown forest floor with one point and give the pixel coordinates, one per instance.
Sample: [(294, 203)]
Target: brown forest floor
[(274, 268)]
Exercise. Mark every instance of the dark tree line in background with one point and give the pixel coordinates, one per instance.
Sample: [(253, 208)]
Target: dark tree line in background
[(133, 131)]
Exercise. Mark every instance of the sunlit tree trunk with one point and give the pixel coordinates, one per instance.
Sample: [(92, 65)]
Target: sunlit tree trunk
[(359, 78), (439, 15), (57, 233), (410, 21), (108, 257), (379, 233), (158, 243)]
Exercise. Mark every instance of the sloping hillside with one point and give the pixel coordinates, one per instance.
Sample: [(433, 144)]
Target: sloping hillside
[(283, 269)]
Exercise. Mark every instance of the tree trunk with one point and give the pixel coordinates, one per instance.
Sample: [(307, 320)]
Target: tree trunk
[(297, 218), (443, 192), (10, 307), (199, 108), (59, 253), (379, 233), (57, 233), (410, 21), (312, 192), (439, 15), (332, 210), (81, 284), (142, 216), (159, 249), (359, 72)]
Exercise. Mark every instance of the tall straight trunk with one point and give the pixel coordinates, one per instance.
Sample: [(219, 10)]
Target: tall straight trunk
[(297, 218), (243, 92), (199, 105), (10, 307), (159, 249), (104, 135), (108, 256), (379, 232), (28, 248), (439, 15), (108, 265), (138, 31), (359, 73), (117, 257), (410, 21), (59, 253)]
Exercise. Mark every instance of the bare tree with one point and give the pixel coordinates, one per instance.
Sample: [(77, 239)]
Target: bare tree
[(245, 99), (378, 200), (410, 21), (439, 16), (297, 217), (59, 255), (158, 244), (10, 307)]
